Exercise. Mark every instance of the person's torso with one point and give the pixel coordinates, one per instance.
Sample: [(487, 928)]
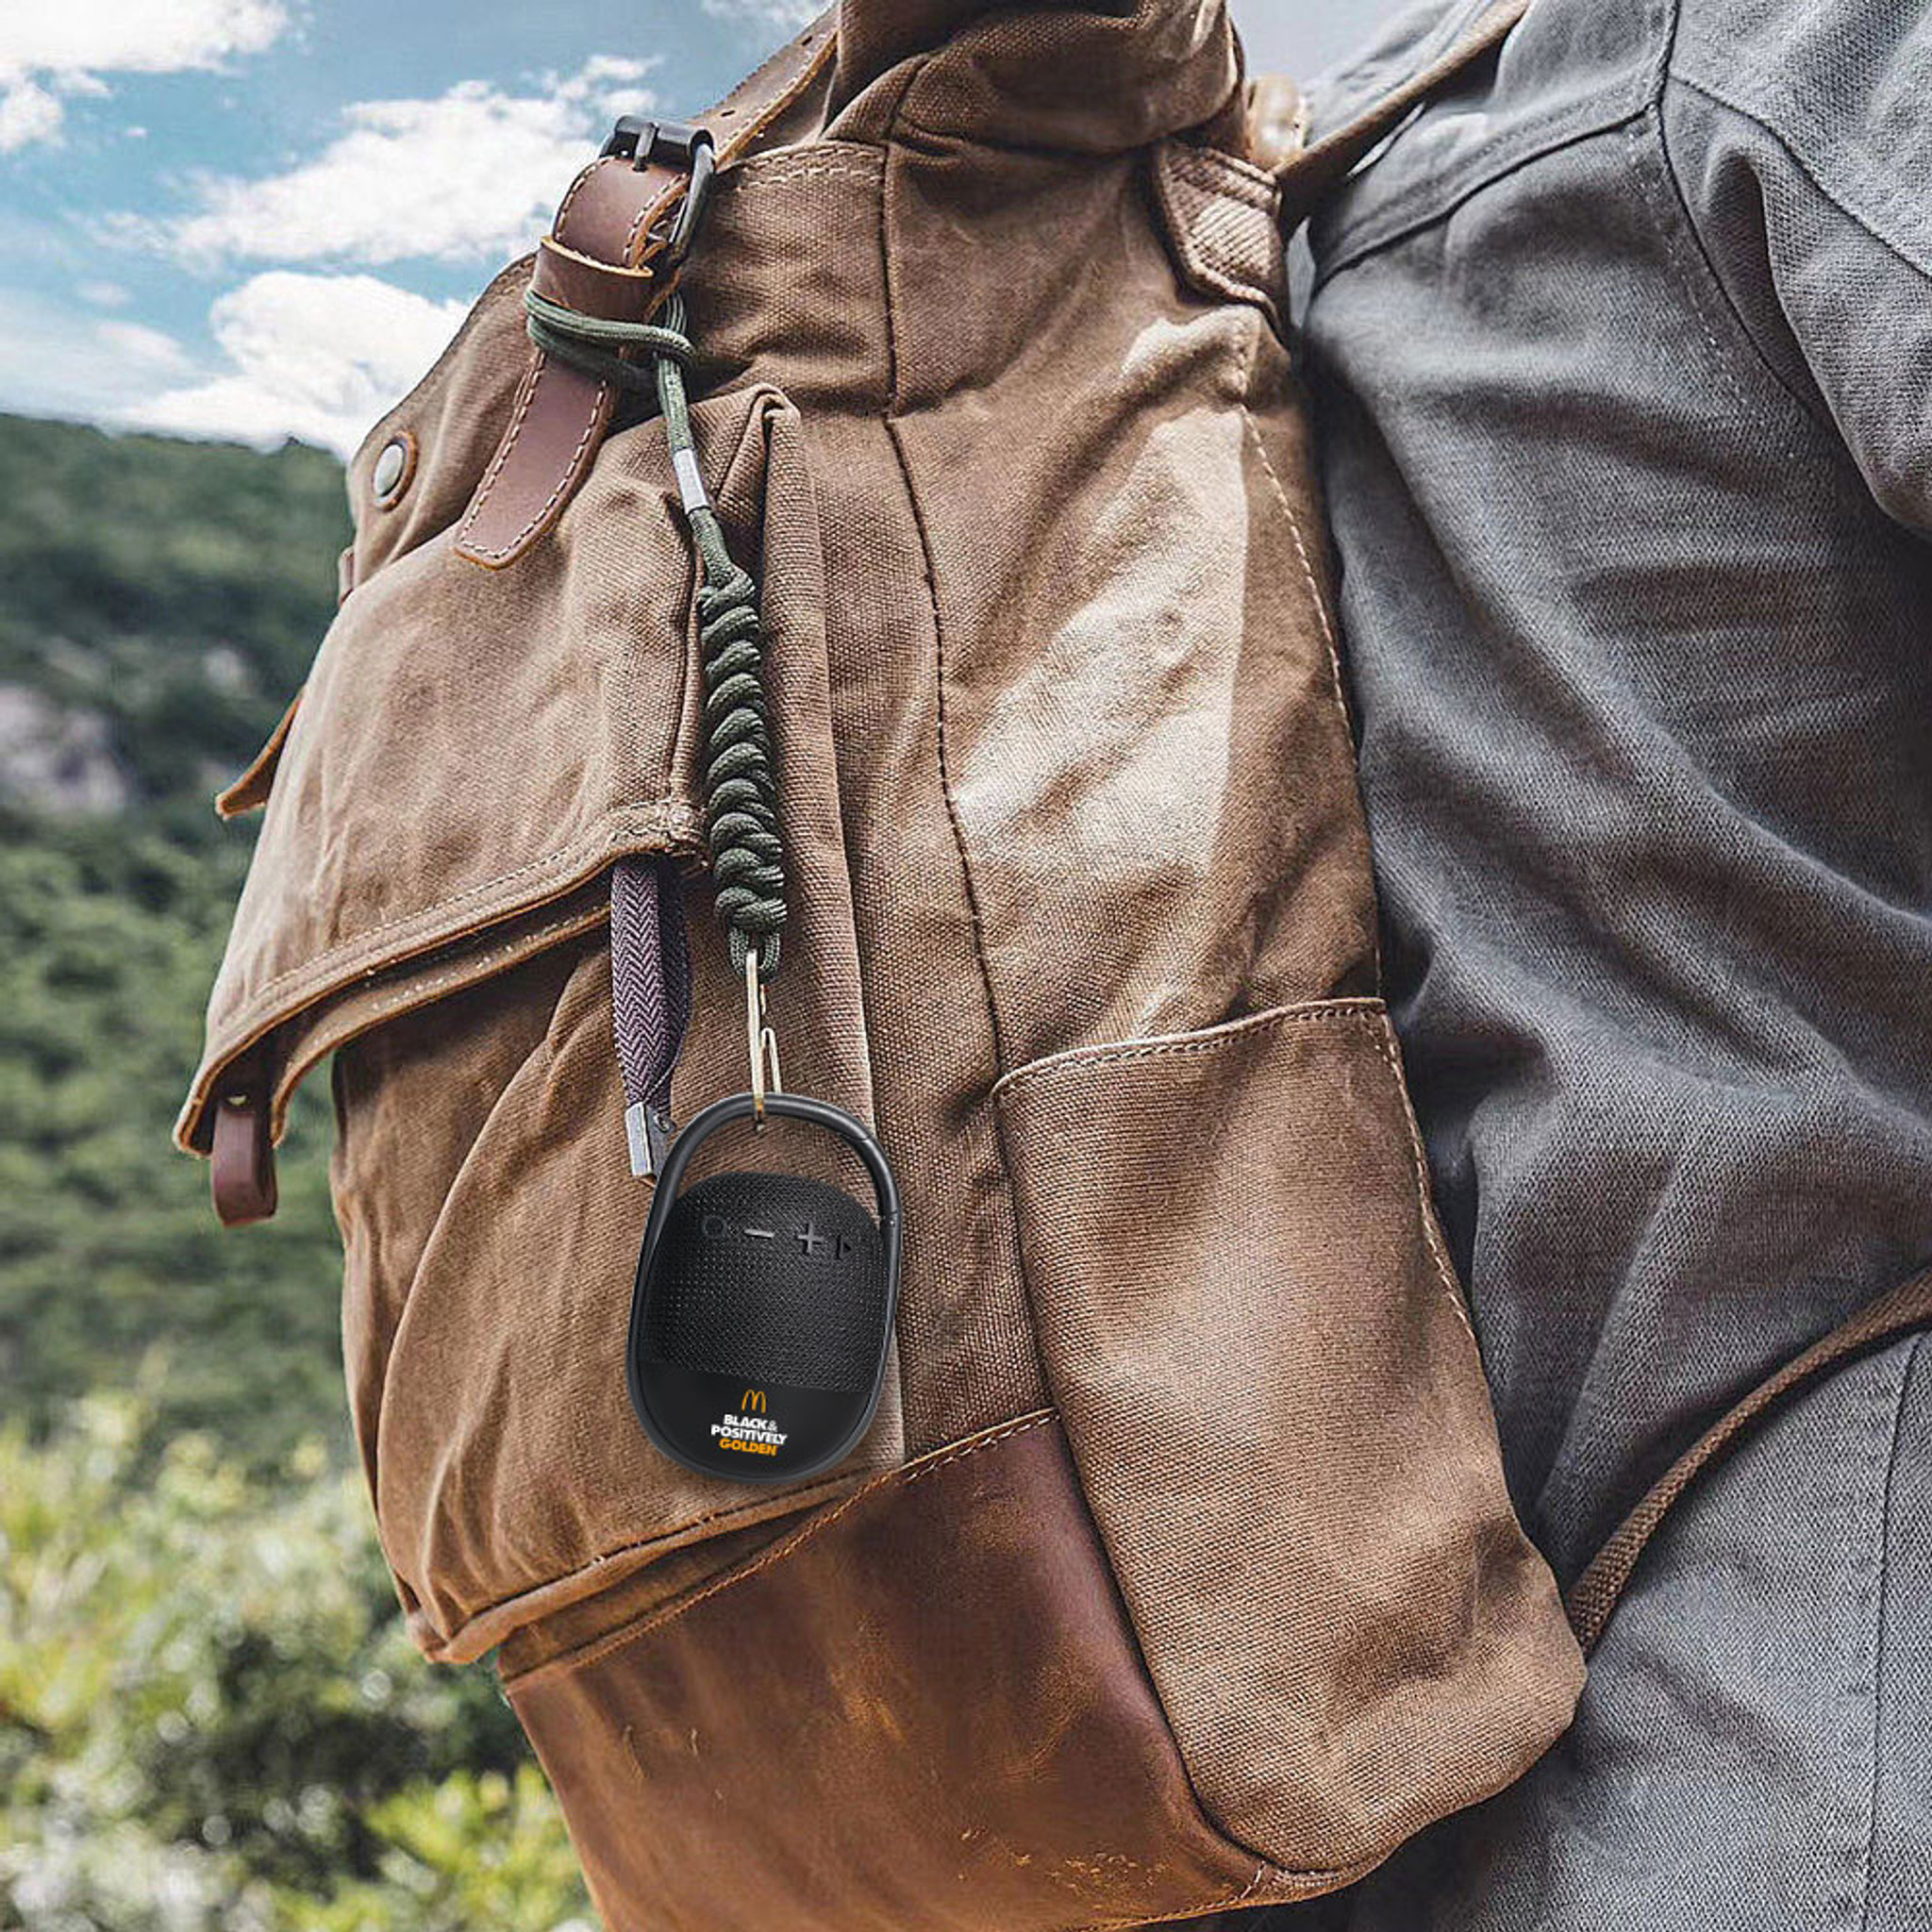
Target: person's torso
[(1640, 675)]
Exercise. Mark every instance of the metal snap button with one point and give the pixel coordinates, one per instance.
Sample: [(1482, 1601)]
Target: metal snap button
[(394, 466)]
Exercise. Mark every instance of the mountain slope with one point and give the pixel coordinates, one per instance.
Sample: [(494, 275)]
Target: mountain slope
[(159, 601)]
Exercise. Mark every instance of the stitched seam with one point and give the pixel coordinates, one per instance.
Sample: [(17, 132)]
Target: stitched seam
[(593, 423), (790, 1545), (678, 1534), (575, 188), (1711, 92), (932, 586), (1881, 1632), (1207, 1040), (975, 918), (328, 974), (1307, 566), (754, 174), (476, 968), (1322, 613), (667, 815), (1686, 277), (525, 391), (1272, 1878), (1798, 161), (1561, 126), (1397, 220), (1445, 1275), (1002, 1155), (1710, 283), (539, 367)]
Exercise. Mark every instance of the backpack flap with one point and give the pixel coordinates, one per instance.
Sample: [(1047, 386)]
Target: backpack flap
[(471, 750)]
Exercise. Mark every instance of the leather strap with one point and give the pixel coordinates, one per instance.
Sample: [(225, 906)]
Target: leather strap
[(1306, 176), (1596, 1593), (242, 1161), (598, 260)]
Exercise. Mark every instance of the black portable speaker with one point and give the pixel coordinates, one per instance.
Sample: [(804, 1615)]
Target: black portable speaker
[(763, 1318)]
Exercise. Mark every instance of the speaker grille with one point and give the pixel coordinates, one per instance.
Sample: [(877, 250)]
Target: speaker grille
[(770, 1277)]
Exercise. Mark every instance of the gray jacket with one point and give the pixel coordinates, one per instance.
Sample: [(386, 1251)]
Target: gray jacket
[(1624, 358)]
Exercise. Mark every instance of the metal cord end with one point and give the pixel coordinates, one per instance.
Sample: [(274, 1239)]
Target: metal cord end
[(761, 1041), (691, 482), (650, 1131)]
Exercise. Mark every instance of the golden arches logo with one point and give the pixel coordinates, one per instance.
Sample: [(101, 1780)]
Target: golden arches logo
[(752, 1399)]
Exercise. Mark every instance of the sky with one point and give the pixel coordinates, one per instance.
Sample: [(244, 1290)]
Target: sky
[(256, 219)]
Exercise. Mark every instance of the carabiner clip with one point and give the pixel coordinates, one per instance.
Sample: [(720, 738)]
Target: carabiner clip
[(760, 1040)]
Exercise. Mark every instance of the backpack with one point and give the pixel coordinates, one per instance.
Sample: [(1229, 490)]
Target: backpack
[(924, 417)]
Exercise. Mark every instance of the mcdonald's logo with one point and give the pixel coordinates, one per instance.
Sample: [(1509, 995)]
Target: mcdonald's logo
[(752, 1399)]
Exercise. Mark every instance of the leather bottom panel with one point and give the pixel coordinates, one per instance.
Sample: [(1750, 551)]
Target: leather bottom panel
[(922, 1711)]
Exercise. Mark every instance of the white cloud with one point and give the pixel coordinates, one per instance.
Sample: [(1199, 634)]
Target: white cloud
[(782, 18), (310, 356), (28, 113), (135, 343), (50, 48), (474, 174), (56, 362)]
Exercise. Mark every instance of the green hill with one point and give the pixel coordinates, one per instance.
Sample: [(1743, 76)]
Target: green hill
[(159, 601), (210, 1716)]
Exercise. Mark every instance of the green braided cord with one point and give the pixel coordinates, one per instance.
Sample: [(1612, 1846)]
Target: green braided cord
[(564, 333), (740, 779)]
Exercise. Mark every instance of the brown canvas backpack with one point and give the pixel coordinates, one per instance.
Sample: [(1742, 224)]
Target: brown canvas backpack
[(1175, 1572)]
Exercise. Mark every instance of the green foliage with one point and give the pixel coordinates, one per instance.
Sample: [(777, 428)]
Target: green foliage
[(212, 1721), (211, 1718), (175, 590), (174, 593)]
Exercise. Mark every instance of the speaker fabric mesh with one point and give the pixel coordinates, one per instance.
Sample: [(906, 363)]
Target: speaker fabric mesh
[(774, 1277)]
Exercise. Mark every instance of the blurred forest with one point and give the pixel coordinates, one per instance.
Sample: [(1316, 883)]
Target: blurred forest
[(210, 1715)]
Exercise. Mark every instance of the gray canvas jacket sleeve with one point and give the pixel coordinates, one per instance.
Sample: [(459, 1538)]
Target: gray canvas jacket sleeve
[(1800, 141), (1623, 357)]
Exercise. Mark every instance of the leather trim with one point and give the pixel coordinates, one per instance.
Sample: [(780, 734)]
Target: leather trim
[(596, 260), (968, 1739), (248, 791), (241, 1165), (591, 287), (1595, 1595)]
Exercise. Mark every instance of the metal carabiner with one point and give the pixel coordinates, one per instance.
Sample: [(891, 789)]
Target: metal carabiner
[(760, 1041)]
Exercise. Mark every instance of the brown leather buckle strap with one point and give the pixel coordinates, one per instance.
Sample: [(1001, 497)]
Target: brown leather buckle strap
[(605, 257), (1594, 1595)]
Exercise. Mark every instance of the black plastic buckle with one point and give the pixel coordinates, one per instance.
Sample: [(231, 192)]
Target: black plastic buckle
[(669, 143), (640, 142)]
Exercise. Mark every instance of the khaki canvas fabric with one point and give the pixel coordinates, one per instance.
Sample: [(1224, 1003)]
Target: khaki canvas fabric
[(1177, 1572)]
